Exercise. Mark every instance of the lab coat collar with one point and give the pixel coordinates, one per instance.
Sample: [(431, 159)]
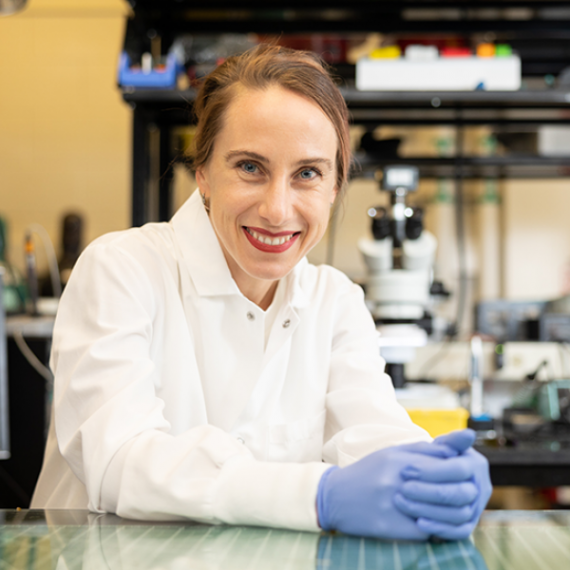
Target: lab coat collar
[(201, 250), (297, 296), (205, 259)]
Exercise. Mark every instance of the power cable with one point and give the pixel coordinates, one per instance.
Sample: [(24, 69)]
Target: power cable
[(33, 360)]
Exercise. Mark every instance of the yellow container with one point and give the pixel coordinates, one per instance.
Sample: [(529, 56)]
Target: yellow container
[(438, 422), (388, 52)]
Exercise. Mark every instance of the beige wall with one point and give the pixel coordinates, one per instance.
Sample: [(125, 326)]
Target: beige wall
[(536, 238), (64, 130)]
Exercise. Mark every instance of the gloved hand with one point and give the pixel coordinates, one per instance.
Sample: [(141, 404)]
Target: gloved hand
[(359, 499), (439, 498), (408, 492)]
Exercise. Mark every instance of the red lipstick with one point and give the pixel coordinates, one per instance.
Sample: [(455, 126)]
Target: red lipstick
[(270, 248)]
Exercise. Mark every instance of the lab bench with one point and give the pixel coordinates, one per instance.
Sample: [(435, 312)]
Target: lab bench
[(35, 539), (529, 465)]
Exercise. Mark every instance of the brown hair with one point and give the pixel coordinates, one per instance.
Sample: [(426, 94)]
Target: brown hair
[(259, 68)]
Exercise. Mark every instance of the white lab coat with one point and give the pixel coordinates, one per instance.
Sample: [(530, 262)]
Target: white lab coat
[(168, 404)]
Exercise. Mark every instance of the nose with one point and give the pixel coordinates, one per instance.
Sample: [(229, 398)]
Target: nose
[(275, 205)]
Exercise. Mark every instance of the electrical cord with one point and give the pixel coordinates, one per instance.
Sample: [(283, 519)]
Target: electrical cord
[(33, 360), (544, 364), (51, 257)]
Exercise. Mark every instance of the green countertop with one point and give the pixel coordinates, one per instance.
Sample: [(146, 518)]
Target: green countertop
[(73, 540)]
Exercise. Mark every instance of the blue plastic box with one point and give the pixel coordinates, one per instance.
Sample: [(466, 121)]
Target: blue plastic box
[(163, 79)]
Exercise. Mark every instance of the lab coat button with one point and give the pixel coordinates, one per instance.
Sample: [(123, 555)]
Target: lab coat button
[(241, 440), (286, 323), (251, 316)]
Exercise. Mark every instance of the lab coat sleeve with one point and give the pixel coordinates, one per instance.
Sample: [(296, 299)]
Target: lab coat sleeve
[(362, 412), (110, 425)]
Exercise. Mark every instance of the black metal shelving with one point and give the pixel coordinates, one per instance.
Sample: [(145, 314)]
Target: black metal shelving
[(163, 110), (539, 30), (553, 98)]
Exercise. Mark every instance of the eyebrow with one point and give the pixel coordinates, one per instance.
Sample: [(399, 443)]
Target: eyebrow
[(260, 158)]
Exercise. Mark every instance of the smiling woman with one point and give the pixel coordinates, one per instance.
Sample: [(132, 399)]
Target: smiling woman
[(205, 370), (270, 181)]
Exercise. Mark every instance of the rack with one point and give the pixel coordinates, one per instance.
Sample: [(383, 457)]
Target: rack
[(537, 29)]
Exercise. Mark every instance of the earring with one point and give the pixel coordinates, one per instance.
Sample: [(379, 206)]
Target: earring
[(205, 202)]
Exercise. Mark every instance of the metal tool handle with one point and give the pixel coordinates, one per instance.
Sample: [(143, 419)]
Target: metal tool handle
[(4, 420)]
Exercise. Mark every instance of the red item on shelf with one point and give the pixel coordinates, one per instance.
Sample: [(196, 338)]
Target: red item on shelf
[(332, 48), (455, 52)]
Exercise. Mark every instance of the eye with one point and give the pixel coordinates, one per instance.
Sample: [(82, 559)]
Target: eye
[(248, 167), (308, 173)]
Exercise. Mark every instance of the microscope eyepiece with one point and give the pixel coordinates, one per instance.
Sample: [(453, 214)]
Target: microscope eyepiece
[(381, 228), (414, 223)]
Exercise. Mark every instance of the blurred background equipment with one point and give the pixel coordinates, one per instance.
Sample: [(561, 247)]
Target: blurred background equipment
[(400, 261), (14, 289), (32, 275), (8, 7), (37, 305), (492, 68), (71, 246)]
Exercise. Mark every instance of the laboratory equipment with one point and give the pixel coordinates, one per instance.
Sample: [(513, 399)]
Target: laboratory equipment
[(506, 320), (555, 320), (554, 401), (14, 294), (399, 259), (478, 420), (547, 321), (541, 402), (147, 75), (476, 377), (8, 7), (468, 73), (32, 275), (71, 246)]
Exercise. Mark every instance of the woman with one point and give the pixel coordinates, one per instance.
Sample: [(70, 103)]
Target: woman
[(205, 370)]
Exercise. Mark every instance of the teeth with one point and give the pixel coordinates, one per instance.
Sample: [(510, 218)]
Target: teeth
[(267, 240)]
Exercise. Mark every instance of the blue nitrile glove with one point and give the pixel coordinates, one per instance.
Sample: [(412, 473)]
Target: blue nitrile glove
[(447, 503), (358, 499)]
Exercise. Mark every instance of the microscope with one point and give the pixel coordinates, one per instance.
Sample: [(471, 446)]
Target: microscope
[(399, 260)]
